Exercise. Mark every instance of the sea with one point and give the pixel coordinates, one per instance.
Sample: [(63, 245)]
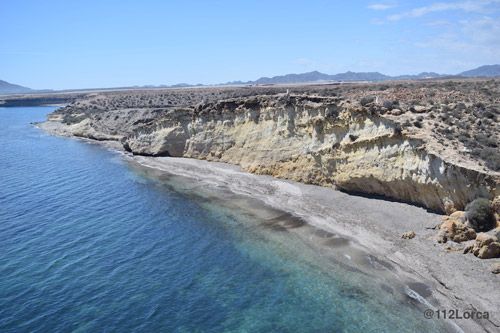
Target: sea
[(91, 242)]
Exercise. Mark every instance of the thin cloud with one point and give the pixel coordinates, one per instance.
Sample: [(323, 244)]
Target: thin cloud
[(480, 37), (465, 6), (381, 6), (485, 30)]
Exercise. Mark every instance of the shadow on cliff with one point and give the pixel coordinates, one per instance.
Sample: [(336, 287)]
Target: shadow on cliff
[(390, 199)]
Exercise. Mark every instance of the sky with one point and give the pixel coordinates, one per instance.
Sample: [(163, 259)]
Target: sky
[(56, 44)]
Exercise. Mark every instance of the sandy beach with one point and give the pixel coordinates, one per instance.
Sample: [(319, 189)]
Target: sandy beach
[(363, 228)]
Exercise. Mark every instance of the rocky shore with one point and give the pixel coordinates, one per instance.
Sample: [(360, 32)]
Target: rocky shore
[(433, 144)]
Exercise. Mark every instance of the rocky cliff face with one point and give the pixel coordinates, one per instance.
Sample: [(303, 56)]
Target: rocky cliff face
[(355, 145)]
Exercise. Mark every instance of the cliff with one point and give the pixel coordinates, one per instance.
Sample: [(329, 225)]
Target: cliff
[(374, 141)]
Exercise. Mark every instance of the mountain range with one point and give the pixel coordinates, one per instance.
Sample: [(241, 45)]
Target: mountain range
[(315, 76), (483, 71), (9, 88)]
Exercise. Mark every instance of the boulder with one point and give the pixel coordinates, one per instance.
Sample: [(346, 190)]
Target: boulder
[(458, 216), (485, 239), (464, 235), (486, 246), (495, 268), (454, 230), (489, 251)]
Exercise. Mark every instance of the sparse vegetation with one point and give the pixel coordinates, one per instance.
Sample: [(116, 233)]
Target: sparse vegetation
[(462, 114), (480, 215), (367, 100)]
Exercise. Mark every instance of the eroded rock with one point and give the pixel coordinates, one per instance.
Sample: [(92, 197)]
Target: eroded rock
[(452, 229), (486, 246)]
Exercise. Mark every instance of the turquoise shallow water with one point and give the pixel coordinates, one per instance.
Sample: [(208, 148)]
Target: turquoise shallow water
[(91, 243)]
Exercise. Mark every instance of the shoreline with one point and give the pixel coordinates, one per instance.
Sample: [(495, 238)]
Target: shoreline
[(372, 225)]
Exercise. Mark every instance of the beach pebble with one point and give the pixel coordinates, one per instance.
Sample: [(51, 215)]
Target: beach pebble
[(408, 235)]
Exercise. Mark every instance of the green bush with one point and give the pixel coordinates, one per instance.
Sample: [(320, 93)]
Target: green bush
[(480, 215)]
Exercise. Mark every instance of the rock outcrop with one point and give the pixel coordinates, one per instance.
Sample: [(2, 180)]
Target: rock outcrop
[(455, 230), (322, 140), (486, 246)]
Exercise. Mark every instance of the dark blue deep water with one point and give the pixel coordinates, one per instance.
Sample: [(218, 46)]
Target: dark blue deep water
[(90, 243)]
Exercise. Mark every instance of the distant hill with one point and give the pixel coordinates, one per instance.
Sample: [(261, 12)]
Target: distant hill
[(315, 76), (483, 71), (293, 78), (361, 76), (343, 77), (318, 76), (9, 88)]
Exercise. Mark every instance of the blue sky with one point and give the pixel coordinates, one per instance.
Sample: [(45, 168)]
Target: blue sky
[(108, 43)]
